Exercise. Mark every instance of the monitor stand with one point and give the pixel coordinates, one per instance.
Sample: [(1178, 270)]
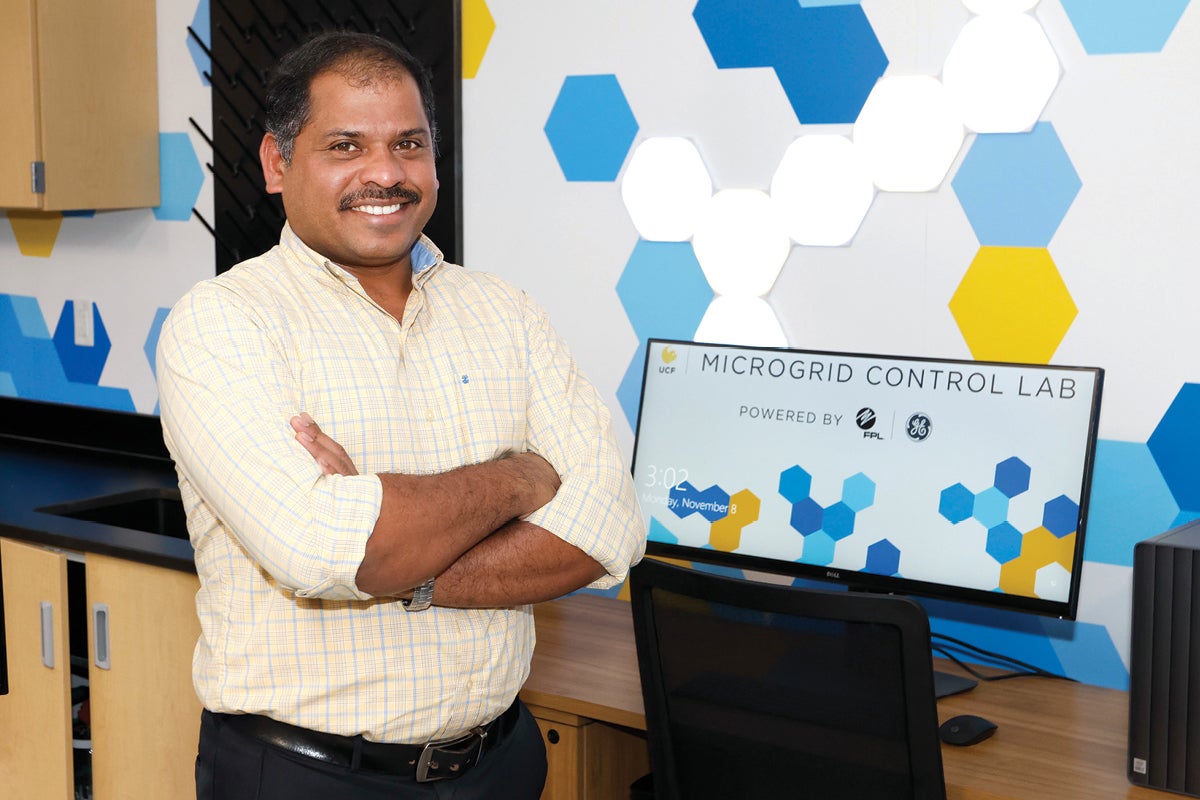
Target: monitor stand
[(946, 684)]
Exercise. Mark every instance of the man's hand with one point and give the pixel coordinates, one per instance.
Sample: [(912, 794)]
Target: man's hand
[(330, 455)]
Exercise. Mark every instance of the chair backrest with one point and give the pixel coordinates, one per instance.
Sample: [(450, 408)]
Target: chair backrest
[(754, 690)]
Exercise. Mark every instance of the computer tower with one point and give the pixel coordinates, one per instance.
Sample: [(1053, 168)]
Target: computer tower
[(1164, 662)]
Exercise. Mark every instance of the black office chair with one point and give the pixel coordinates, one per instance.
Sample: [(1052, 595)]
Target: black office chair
[(754, 690)]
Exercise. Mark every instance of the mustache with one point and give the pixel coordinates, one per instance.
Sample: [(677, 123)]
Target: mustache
[(391, 193)]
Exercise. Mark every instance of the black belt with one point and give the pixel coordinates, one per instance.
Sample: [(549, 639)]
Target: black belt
[(426, 762)]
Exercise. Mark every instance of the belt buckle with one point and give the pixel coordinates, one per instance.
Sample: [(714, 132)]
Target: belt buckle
[(454, 748)]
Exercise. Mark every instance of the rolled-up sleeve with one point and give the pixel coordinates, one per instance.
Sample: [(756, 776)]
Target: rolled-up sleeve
[(595, 508), (227, 389)]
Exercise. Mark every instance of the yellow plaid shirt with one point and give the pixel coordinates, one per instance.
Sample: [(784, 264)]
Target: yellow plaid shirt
[(474, 370)]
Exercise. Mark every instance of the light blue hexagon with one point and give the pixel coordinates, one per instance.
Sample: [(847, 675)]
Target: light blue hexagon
[(663, 290), (151, 345), (818, 549), (883, 558), (1129, 502), (806, 516), (1012, 477), (660, 532), (1123, 26), (1016, 187), (858, 492), (1003, 543), (956, 504), (180, 175), (591, 128), (838, 521), (629, 393), (795, 484), (1060, 516), (991, 507), (199, 41), (1174, 444)]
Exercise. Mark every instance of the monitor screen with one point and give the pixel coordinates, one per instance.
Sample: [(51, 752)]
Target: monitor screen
[(964, 480)]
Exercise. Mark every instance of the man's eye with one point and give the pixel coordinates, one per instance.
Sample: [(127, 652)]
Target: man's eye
[(345, 147), (408, 144)]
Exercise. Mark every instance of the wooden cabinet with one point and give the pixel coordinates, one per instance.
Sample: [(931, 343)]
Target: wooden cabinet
[(588, 760), (141, 631), (79, 88)]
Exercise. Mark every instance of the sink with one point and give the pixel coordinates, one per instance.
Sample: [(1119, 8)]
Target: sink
[(151, 510)]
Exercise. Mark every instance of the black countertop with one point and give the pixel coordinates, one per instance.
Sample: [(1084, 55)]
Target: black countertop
[(37, 470)]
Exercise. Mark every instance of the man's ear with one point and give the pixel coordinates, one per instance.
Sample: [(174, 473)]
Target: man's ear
[(273, 164)]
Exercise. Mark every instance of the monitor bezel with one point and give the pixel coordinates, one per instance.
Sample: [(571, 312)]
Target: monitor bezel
[(865, 581)]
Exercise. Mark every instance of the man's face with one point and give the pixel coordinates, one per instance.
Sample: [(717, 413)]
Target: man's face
[(362, 181)]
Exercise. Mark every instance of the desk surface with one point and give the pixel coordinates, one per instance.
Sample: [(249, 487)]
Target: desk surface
[(1056, 740)]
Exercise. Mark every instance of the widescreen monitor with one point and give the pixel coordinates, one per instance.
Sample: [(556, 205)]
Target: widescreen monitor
[(943, 478)]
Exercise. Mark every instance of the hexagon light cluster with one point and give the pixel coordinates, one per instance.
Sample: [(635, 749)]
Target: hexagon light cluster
[(1034, 562)]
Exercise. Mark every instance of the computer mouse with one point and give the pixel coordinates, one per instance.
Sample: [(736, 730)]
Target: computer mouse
[(966, 729)]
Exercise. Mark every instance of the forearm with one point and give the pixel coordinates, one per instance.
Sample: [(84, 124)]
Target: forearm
[(520, 563), (428, 522)]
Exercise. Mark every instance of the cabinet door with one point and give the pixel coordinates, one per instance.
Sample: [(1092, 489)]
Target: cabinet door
[(145, 714), (18, 87), (35, 715)]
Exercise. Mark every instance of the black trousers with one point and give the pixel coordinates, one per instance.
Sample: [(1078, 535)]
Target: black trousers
[(232, 766)]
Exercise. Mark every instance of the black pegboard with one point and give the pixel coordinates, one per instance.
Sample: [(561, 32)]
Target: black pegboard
[(248, 38)]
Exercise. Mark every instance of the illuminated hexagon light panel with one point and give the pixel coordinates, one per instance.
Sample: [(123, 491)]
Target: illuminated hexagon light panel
[(908, 133), (741, 242), (991, 6), (823, 190), (1016, 188), (1000, 72), (741, 320), (477, 29), (1123, 26), (665, 188), (1012, 305), (591, 128)]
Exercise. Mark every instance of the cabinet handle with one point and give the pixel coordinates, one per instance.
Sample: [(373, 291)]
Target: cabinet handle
[(100, 626), (48, 634)]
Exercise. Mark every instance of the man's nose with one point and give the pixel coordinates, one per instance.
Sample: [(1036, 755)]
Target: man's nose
[(383, 167)]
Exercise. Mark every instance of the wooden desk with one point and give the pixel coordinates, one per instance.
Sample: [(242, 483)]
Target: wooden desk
[(1056, 740)]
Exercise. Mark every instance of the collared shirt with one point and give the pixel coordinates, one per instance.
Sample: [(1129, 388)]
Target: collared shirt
[(473, 371)]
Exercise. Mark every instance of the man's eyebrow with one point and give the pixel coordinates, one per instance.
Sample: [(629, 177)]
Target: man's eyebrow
[(348, 134)]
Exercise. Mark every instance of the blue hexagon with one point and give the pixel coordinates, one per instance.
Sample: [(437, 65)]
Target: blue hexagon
[(1123, 26), (660, 533), (1012, 476), (199, 41), (1016, 187), (957, 503), (663, 290), (180, 176), (991, 507), (1174, 445), (1061, 516), (795, 484), (150, 348), (858, 492), (883, 558), (838, 521), (806, 516), (818, 549), (591, 128), (629, 393), (82, 364), (739, 34), (1004, 542), (1129, 502)]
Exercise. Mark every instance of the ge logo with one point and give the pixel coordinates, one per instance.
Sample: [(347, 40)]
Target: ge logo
[(918, 427)]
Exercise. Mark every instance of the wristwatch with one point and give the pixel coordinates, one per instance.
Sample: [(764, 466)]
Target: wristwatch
[(422, 597)]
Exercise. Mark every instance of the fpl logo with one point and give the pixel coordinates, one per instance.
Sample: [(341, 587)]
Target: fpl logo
[(866, 419), (668, 357)]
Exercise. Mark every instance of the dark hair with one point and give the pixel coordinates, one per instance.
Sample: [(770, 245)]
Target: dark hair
[(361, 57)]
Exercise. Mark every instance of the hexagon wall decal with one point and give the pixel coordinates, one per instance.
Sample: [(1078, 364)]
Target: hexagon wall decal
[(181, 177), (663, 290), (591, 127), (35, 231), (1123, 26), (82, 364), (1016, 187), (199, 41), (477, 29), (1130, 501), (1174, 444), (1012, 305)]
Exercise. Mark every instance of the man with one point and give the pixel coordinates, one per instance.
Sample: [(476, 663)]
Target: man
[(365, 611)]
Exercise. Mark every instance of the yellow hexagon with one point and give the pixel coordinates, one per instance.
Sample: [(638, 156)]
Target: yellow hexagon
[(1012, 305), (477, 29), (1039, 547), (726, 533), (36, 231)]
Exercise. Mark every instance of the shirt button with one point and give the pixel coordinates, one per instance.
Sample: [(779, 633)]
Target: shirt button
[(429, 416)]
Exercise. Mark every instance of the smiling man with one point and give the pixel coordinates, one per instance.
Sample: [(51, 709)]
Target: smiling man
[(385, 459)]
